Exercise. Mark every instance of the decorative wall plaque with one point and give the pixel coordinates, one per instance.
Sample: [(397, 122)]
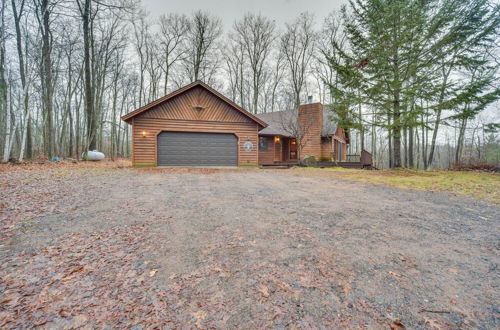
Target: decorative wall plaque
[(248, 146)]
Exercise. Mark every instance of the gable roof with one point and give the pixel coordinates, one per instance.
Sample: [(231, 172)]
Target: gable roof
[(277, 121), (329, 125), (181, 90)]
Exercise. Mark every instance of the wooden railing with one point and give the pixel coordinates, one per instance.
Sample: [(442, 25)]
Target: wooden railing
[(366, 158), (352, 158)]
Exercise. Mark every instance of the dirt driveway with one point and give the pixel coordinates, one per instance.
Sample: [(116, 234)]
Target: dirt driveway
[(242, 248)]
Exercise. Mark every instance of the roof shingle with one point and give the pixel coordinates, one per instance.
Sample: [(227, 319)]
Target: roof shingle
[(279, 122)]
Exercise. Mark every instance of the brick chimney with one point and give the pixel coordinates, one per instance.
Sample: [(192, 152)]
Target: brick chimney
[(311, 125)]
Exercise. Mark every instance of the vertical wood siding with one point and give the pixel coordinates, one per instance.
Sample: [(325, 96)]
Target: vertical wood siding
[(266, 157), (179, 114), (182, 107)]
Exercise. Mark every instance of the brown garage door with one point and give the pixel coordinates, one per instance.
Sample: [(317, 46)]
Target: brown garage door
[(197, 149)]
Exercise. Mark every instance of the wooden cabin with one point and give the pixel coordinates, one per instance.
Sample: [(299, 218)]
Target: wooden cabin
[(198, 126)]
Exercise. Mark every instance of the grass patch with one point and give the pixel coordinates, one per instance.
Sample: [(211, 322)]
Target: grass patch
[(481, 185)]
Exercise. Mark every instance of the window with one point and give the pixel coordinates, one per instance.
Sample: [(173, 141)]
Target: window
[(262, 144)]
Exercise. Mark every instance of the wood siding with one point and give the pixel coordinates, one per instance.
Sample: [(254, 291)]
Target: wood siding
[(267, 156), (179, 114), (340, 136), (182, 107), (336, 148)]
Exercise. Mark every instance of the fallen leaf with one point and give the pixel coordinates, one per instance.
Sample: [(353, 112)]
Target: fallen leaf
[(264, 290), (200, 316), (394, 274), (152, 273), (79, 320), (397, 324)]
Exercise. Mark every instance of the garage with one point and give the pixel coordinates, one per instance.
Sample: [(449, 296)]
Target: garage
[(194, 126), (197, 149)]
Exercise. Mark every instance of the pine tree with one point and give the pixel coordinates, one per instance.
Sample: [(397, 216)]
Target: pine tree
[(397, 55)]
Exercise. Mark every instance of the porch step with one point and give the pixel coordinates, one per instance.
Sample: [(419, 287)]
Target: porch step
[(274, 166), (357, 165)]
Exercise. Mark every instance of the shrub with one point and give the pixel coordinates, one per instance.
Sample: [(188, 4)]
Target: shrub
[(308, 161), (477, 166)]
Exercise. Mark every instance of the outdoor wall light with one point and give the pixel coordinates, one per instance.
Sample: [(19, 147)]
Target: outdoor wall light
[(293, 142), (276, 139), (143, 133)]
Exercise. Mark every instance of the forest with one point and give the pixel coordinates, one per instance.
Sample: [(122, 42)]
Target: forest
[(415, 82)]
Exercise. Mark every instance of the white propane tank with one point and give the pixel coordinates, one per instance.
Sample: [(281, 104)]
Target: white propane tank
[(93, 155)]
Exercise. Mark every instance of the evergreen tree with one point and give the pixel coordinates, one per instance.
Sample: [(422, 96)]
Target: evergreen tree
[(397, 55)]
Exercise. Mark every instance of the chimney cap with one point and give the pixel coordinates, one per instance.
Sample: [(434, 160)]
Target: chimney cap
[(309, 99)]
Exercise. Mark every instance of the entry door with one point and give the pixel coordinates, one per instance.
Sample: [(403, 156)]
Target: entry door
[(197, 149), (293, 149), (340, 150), (277, 149)]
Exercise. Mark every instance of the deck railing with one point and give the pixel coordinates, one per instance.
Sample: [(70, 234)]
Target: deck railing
[(352, 158), (365, 158)]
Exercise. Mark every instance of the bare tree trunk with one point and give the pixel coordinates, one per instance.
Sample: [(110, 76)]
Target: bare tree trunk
[(77, 126), (446, 74), (396, 130), (3, 84), (460, 140), (361, 131), (89, 97), (389, 135), (25, 132), (26, 144), (411, 162), (43, 16)]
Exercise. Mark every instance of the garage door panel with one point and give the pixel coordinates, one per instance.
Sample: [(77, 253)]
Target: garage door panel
[(197, 149)]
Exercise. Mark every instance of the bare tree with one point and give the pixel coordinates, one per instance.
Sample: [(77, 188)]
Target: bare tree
[(17, 13), (297, 44), (204, 31), (43, 13), (255, 35), (172, 43), (3, 84), (297, 127), (152, 65), (141, 32), (85, 9), (332, 32), (237, 70), (273, 80)]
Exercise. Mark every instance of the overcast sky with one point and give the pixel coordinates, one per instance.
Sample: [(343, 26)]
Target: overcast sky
[(229, 10), (280, 10)]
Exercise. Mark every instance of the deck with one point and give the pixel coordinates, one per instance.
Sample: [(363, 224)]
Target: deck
[(362, 161)]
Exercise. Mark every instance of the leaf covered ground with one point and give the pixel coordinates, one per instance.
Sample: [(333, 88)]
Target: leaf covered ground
[(104, 245)]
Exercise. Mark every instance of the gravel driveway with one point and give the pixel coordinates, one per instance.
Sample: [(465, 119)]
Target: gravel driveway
[(243, 248)]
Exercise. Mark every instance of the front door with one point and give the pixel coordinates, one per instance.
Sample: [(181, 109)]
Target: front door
[(293, 149), (277, 149)]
